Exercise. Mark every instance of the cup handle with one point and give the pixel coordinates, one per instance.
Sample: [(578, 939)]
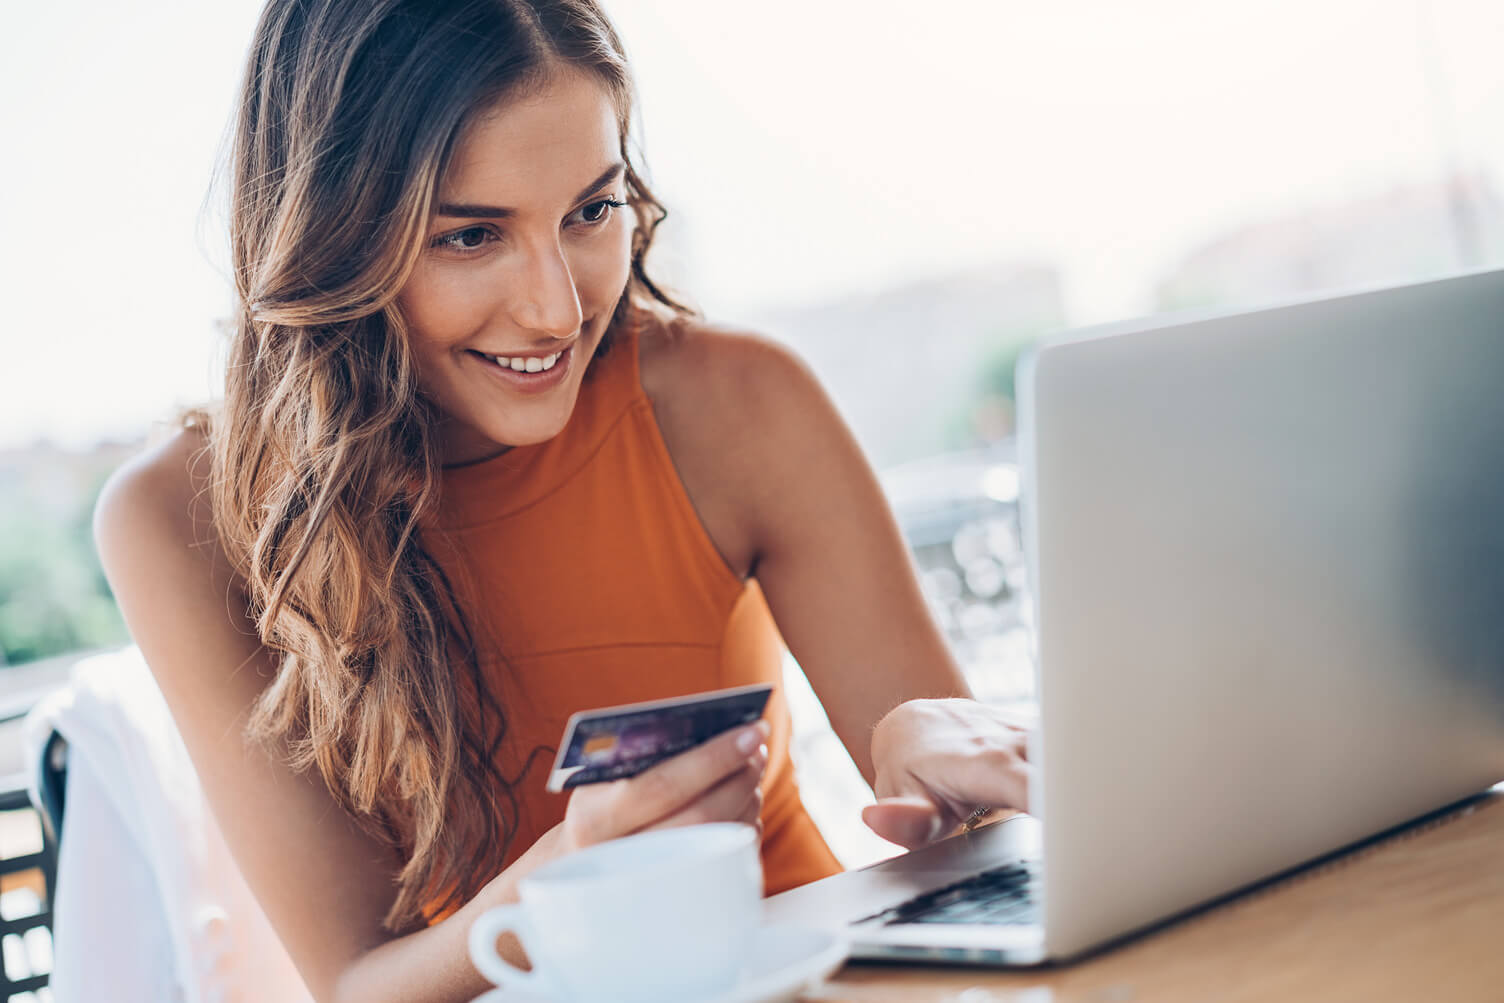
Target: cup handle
[(483, 933)]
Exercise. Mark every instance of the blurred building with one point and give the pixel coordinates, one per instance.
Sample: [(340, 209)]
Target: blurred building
[(1408, 233), (46, 476), (908, 365)]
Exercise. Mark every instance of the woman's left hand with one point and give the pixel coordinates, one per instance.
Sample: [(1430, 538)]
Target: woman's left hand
[(937, 761)]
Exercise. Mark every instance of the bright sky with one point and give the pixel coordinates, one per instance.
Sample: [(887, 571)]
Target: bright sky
[(808, 149)]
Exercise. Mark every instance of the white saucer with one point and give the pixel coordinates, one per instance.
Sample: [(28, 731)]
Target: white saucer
[(786, 962)]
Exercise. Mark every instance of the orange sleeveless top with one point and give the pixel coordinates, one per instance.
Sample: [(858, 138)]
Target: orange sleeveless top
[(589, 580)]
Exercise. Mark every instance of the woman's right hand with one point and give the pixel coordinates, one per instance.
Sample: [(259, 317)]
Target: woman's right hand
[(718, 781)]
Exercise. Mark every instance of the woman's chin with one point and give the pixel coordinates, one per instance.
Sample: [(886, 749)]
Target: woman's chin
[(466, 442), (532, 434)]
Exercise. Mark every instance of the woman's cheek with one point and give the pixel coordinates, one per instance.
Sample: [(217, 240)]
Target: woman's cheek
[(445, 305), (601, 270)]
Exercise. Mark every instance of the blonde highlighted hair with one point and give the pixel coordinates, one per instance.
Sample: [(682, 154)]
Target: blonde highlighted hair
[(325, 461)]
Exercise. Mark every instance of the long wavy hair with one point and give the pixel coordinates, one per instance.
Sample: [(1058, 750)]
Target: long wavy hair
[(324, 450)]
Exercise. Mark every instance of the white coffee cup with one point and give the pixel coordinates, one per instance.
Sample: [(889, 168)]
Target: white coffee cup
[(657, 916)]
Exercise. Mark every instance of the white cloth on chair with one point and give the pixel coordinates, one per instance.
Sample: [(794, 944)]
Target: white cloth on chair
[(150, 904)]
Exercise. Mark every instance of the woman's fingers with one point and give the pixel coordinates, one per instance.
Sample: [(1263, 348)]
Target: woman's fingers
[(604, 811), (956, 753), (911, 822), (937, 761), (673, 784), (957, 786), (752, 814), (991, 782), (738, 798)]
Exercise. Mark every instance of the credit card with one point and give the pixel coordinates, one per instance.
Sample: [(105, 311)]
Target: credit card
[(609, 743)]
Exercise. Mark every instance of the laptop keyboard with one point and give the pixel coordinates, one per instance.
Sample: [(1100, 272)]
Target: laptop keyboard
[(1003, 895)]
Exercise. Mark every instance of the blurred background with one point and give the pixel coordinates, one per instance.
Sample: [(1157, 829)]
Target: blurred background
[(908, 199)]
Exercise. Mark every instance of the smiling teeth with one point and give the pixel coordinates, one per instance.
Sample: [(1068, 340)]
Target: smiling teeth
[(532, 365)]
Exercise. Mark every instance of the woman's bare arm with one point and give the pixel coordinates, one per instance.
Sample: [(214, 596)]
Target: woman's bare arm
[(786, 494), (784, 491), (324, 884)]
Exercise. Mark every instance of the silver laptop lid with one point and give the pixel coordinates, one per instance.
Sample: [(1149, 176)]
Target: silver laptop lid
[(1268, 559)]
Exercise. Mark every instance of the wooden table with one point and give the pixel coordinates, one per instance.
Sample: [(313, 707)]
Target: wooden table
[(1417, 916)]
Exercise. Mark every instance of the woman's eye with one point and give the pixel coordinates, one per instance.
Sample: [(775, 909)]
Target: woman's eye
[(469, 239), (599, 211)]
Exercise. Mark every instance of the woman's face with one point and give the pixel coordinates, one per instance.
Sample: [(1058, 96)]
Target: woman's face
[(522, 266)]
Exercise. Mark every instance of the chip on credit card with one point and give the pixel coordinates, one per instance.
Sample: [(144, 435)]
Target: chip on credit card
[(610, 743)]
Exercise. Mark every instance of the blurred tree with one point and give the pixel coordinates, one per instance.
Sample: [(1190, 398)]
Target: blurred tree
[(53, 595), (987, 415)]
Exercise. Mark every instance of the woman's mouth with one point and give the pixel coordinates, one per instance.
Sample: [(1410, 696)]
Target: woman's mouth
[(527, 372), (530, 364)]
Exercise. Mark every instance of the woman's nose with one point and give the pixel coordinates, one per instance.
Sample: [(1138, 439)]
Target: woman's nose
[(547, 301)]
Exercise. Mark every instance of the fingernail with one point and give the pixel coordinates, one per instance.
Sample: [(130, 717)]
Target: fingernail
[(749, 739), (760, 757)]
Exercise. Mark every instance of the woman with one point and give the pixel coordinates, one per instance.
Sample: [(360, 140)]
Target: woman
[(474, 471)]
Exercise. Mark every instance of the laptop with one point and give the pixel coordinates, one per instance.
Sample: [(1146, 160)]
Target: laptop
[(1267, 557)]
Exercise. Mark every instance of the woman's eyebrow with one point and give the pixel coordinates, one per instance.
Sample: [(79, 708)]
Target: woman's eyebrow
[(497, 212)]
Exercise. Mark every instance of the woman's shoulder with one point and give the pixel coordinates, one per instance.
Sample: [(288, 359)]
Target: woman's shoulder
[(747, 425), (158, 500), (722, 374)]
